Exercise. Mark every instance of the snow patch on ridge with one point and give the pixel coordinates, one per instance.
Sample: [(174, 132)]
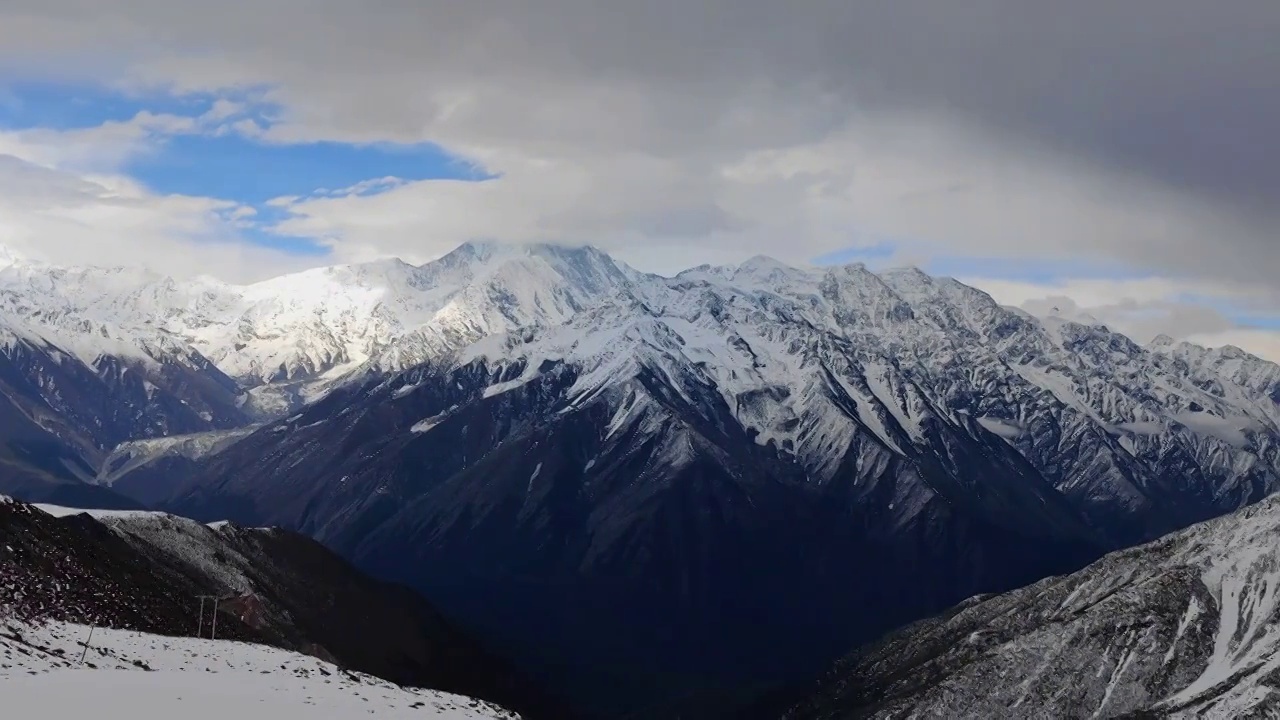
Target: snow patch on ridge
[(60, 511), (1001, 427)]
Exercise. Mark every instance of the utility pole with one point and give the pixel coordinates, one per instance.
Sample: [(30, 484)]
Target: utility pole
[(86, 642), (200, 623)]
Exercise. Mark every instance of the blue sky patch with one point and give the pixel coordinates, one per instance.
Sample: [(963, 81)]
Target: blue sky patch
[(235, 167), (1241, 316), (25, 106), (1027, 270), (220, 161), (253, 230), (877, 253)]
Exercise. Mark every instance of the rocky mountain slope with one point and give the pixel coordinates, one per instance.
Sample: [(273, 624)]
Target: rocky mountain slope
[(659, 454), (41, 459), (101, 357), (69, 406), (144, 572), (919, 346), (544, 430), (1187, 626)]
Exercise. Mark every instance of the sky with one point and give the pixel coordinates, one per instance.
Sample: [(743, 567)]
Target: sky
[(1114, 160)]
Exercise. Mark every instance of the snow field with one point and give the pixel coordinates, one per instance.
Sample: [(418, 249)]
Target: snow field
[(142, 676)]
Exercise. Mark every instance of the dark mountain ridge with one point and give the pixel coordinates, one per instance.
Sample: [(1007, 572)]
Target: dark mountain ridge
[(1186, 626), (496, 514)]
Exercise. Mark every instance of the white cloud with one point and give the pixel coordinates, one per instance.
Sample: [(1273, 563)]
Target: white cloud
[(1143, 308), (62, 201), (60, 217), (725, 128), (675, 132), (895, 178), (1260, 342)]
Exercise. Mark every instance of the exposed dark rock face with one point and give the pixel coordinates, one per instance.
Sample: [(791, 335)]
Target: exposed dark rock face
[(1187, 626), (97, 405), (666, 540), (38, 465), (61, 416)]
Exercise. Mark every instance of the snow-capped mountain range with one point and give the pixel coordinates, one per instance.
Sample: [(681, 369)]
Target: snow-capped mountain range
[(813, 360), (505, 428), (298, 332)]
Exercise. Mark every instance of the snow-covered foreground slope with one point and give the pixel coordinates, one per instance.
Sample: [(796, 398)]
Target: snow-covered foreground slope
[(1187, 626), (153, 677), (142, 573)]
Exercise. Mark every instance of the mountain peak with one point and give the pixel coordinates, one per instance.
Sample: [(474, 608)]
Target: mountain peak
[(474, 250), (1232, 352), (489, 249), (510, 402), (909, 272), (764, 262)]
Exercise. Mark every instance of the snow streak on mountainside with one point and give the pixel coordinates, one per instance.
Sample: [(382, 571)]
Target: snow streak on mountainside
[(145, 470), (1188, 626)]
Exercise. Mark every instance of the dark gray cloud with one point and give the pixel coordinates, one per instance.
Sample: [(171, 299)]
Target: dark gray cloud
[(1185, 90), (1138, 130)]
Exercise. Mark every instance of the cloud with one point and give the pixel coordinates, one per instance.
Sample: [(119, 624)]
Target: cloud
[(1145, 307), (85, 219), (1133, 131), (1137, 135), (1260, 342), (100, 147)]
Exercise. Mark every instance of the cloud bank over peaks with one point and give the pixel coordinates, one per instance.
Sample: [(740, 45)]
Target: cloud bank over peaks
[(1138, 135)]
